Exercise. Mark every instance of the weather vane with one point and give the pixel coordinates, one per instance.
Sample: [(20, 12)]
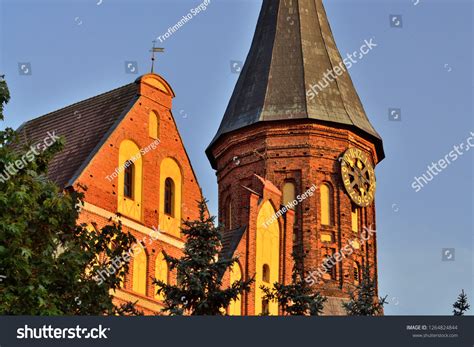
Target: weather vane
[(153, 51)]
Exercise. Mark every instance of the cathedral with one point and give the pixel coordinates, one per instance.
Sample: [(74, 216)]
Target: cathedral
[(294, 167)]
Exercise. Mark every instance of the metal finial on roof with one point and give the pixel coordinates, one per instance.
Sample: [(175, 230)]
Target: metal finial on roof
[(153, 51)]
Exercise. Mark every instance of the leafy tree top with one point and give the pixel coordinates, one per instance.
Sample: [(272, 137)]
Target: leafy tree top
[(48, 261), (4, 95)]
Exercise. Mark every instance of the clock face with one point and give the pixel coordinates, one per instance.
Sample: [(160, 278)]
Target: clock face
[(358, 176)]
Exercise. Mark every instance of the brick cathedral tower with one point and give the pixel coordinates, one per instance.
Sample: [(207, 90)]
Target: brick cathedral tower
[(289, 129)]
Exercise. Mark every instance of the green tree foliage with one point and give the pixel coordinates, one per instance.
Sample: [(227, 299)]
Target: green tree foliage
[(199, 290), (49, 263), (364, 301), (461, 306), (4, 95), (297, 298)]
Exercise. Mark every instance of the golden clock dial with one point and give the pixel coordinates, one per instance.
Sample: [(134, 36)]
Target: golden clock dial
[(358, 176)]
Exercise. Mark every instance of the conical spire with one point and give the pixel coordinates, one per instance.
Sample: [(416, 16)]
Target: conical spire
[(292, 49)]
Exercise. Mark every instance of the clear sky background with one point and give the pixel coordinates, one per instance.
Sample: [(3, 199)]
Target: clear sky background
[(77, 49)]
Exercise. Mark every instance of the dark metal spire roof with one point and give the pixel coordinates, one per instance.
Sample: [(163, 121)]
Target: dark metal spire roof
[(293, 47)]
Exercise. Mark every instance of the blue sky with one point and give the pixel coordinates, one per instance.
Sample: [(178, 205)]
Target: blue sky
[(78, 49)]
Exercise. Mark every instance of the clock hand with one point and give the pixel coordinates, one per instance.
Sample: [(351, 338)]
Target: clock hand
[(365, 179), (352, 169), (361, 173), (347, 163)]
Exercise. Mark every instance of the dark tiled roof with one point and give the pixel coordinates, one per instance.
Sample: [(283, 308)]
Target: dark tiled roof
[(230, 241), (84, 125), (293, 47)]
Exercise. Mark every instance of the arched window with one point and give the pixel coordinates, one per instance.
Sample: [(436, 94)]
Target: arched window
[(266, 273), (235, 307), (128, 179), (169, 197), (355, 218), (140, 260), (153, 123), (267, 257), (161, 273), (289, 194), (326, 216), (356, 273), (171, 188)]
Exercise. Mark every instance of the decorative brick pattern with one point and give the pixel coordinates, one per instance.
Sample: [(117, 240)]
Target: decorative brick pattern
[(305, 153)]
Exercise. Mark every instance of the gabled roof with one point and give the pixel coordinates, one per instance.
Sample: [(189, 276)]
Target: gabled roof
[(292, 50), (84, 125)]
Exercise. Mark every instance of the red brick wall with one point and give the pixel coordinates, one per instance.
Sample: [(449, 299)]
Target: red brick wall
[(305, 153), (103, 193)]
